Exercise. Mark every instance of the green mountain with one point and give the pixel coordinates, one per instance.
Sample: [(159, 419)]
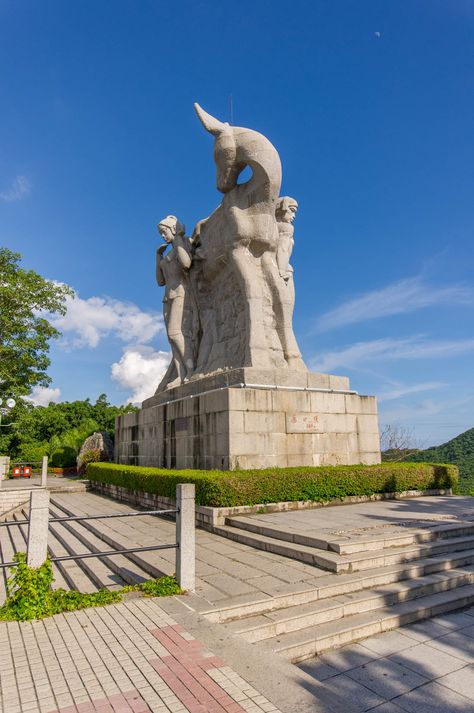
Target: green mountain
[(460, 451)]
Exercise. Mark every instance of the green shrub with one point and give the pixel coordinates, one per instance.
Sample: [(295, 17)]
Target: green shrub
[(64, 457), (30, 594), (94, 455), (251, 487)]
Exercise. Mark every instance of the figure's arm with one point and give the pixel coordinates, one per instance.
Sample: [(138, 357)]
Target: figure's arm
[(285, 248), (160, 278), (184, 257), (282, 260)]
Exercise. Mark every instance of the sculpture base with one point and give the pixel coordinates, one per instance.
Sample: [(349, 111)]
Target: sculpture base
[(252, 418)]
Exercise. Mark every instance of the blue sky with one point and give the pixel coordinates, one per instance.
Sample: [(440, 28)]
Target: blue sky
[(371, 106)]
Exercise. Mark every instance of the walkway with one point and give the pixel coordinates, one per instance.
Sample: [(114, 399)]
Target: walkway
[(55, 483), (127, 658), (137, 658), (148, 655)]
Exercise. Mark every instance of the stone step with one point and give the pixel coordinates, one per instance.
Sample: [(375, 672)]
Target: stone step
[(344, 584), (74, 576), (294, 618), (388, 537), (7, 554), (121, 565), (66, 574), (345, 563), (306, 643), (118, 535), (95, 568)]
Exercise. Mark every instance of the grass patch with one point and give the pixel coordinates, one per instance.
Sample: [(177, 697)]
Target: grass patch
[(30, 594), (251, 487)]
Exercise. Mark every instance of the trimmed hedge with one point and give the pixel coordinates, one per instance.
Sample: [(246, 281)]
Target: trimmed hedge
[(218, 488)]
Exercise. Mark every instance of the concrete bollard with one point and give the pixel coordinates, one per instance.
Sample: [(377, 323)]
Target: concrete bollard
[(44, 471), (185, 536), (37, 549), (4, 466)]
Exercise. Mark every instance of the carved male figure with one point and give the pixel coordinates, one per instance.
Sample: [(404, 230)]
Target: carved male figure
[(172, 272), (285, 214)]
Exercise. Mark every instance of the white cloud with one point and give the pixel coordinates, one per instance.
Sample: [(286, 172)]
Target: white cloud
[(428, 408), (416, 347), (404, 296), (43, 395), (88, 321), (18, 189), (140, 370), (401, 391)]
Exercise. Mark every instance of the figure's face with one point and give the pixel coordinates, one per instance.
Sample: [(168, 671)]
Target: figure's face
[(166, 233), (291, 211), (288, 212)]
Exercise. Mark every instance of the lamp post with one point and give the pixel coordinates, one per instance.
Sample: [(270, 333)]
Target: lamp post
[(9, 404), (5, 460)]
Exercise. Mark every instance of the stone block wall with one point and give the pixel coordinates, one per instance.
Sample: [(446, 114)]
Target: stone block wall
[(250, 418), (11, 499)]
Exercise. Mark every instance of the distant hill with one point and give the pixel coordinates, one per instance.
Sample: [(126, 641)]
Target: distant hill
[(460, 451)]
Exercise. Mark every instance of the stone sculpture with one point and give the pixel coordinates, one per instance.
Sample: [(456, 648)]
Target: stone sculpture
[(285, 215), (172, 270), (229, 295)]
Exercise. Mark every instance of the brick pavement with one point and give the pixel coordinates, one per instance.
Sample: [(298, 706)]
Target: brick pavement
[(126, 658)]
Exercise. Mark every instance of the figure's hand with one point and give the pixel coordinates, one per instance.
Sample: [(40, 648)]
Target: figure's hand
[(162, 249)]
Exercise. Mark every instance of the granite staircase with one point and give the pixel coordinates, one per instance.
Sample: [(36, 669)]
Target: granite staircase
[(374, 583), (78, 537)]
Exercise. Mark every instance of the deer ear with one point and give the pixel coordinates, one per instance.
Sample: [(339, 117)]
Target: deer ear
[(210, 123)]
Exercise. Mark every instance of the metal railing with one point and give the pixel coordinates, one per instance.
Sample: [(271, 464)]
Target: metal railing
[(6, 465), (39, 520)]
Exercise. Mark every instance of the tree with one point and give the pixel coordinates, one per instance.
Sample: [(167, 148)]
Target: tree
[(43, 430), (25, 300), (397, 442)]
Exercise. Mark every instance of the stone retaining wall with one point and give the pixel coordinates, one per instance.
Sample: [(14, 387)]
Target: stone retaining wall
[(12, 499)]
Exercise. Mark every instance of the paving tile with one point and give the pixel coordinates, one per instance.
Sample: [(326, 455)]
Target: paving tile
[(456, 620), (468, 630), (388, 643), (389, 707), (318, 669), (386, 677), (348, 657), (434, 698), (227, 584), (427, 661), (455, 644), (424, 630), (461, 681), (341, 691)]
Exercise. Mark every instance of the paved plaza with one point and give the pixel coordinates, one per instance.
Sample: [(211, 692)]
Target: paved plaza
[(168, 655), (135, 657), (127, 658)]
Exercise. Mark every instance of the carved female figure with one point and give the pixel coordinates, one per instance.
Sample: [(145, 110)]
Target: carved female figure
[(172, 272)]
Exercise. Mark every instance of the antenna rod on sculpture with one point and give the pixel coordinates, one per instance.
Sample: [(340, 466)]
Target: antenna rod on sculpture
[(231, 108)]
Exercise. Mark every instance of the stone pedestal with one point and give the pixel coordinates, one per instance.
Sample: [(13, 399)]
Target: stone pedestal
[(252, 418)]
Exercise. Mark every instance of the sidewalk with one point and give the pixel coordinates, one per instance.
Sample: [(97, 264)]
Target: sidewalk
[(126, 658), (164, 656), (135, 657)]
